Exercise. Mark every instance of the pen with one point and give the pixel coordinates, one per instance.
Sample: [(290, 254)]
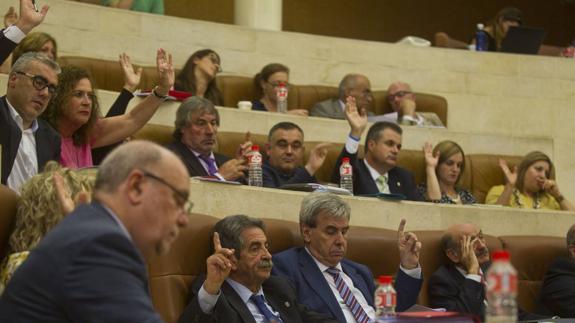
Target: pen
[(35, 6)]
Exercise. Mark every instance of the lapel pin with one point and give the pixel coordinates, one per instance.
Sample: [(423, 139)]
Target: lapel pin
[(398, 184), (287, 304)]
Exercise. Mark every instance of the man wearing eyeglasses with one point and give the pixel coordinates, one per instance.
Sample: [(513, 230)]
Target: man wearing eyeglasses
[(92, 266), (402, 101), (355, 85), (28, 143)]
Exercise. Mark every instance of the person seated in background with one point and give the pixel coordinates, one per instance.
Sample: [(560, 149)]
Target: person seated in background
[(195, 137), (18, 27), (285, 150), (33, 42), (28, 143), (444, 166), (237, 287), (378, 171), (266, 84), (402, 101), (459, 284), (496, 29), (150, 6), (75, 113), (317, 269), (532, 185), (198, 76), (354, 85), (44, 201), (557, 294)]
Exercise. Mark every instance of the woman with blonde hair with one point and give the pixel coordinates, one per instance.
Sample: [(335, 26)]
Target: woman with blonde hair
[(44, 201), (532, 185), (444, 166)]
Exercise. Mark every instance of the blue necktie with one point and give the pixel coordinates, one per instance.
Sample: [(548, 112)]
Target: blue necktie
[(261, 304), (347, 296), (212, 168)]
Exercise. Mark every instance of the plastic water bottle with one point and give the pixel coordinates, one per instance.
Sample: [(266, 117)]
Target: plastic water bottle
[(282, 96), (501, 290), (255, 167), (480, 39), (346, 175), (385, 297)]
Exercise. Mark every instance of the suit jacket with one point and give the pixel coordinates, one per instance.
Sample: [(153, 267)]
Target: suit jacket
[(192, 162), (400, 180), (47, 141), (274, 178), (231, 309), (313, 290), (85, 270), (558, 289), (328, 109), (6, 47)]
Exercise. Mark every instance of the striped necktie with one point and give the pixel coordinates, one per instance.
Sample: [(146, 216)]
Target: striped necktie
[(348, 297), (381, 182)]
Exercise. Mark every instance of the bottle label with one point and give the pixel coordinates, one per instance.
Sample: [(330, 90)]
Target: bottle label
[(385, 300), (255, 158), (345, 170), (502, 283)]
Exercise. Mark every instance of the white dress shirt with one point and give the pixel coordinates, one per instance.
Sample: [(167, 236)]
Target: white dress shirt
[(26, 162)]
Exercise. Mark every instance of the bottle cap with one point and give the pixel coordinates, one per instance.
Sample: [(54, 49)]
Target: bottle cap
[(255, 148), (500, 255), (345, 160), (385, 279)]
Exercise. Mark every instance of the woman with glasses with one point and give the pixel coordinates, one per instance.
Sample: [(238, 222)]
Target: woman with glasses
[(266, 84), (75, 113), (198, 76), (444, 166), (532, 185)]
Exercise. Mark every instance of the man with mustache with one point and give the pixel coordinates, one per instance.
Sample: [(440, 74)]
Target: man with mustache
[(195, 134), (378, 171), (459, 285), (316, 269), (238, 286), (28, 143), (285, 151)]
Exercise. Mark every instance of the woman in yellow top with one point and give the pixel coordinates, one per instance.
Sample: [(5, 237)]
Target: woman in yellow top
[(44, 201), (531, 185)]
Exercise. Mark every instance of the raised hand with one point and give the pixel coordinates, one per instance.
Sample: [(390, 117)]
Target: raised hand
[(67, 204), (131, 77), (219, 266), (510, 176), (468, 258), (245, 147), (551, 187), (10, 17), (317, 157), (356, 118), (29, 17), (409, 247), (166, 75), (430, 159)]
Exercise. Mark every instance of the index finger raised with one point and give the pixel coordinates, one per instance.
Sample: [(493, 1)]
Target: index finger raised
[(217, 243), (401, 229)]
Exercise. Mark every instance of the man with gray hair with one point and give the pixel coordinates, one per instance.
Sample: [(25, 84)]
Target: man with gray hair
[(27, 142), (91, 266), (355, 85), (317, 269), (238, 287), (196, 128), (558, 289)]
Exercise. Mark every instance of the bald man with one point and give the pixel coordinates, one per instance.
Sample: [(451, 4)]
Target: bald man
[(355, 85), (402, 101)]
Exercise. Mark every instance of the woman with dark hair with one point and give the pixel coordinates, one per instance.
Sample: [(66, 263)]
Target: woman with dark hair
[(531, 185), (75, 113), (266, 84), (198, 76), (496, 29), (445, 165)]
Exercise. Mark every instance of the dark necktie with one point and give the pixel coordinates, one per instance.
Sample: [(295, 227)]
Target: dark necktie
[(261, 304), (348, 297), (212, 168)]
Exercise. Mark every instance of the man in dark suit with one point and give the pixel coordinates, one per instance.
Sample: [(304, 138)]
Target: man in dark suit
[(28, 143), (459, 286), (324, 222), (91, 266), (285, 152), (12, 35), (378, 171), (238, 287), (196, 127), (558, 289), (355, 85)]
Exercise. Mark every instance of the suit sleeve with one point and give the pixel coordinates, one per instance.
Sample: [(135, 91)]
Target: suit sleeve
[(411, 188), (6, 47), (558, 292), (300, 176), (319, 110), (107, 283), (443, 294), (407, 289)]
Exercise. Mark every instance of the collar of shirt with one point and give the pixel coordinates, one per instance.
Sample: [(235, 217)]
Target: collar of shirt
[(18, 119), (321, 266), (242, 290), (374, 174), (118, 221)]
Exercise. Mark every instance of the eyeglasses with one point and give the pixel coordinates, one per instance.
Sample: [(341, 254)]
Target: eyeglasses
[(277, 84), (81, 94), (40, 82), (398, 94), (180, 197)]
